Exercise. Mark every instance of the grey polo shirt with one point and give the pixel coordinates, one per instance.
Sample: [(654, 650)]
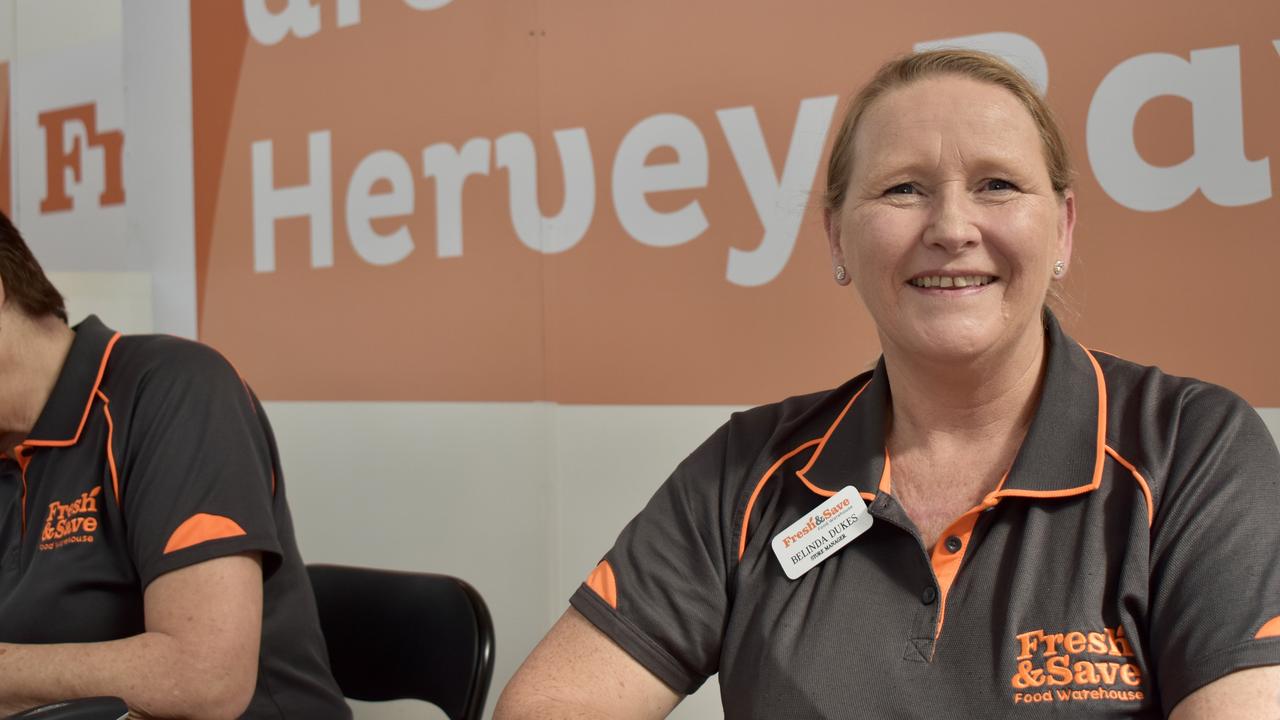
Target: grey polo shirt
[(1128, 558), (151, 455)]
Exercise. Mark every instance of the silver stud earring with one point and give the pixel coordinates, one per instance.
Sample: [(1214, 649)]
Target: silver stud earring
[(1059, 268), (841, 274)]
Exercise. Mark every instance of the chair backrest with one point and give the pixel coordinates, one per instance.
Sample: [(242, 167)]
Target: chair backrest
[(94, 708), (394, 635)]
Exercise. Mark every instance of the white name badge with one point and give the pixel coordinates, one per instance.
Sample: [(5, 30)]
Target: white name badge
[(822, 532)]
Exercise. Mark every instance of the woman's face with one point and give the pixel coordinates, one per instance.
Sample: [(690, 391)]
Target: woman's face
[(950, 226)]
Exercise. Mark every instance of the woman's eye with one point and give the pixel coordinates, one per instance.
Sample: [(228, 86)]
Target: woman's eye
[(998, 185), (903, 189)]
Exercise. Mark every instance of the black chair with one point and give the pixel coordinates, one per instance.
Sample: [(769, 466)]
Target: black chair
[(96, 708), (396, 635)]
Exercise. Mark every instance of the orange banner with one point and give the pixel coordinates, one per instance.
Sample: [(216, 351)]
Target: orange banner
[(614, 202)]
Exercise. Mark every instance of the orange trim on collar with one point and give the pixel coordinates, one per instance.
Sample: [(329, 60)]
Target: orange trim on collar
[(102, 368), (746, 516), (24, 459), (822, 442), (1100, 452), (111, 451)]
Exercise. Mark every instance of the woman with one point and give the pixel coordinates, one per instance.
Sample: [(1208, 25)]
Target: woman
[(1050, 529), (147, 550)]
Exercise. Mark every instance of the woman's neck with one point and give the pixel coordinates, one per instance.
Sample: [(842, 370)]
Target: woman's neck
[(32, 353), (947, 404)]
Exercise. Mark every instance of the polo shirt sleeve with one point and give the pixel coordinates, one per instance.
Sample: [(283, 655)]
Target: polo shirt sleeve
[(660, 592), (197, 472), (1215, 544)]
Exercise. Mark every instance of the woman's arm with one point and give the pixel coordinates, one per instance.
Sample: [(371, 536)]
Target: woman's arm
[(197, 659), (578, 672), (1252, 693)]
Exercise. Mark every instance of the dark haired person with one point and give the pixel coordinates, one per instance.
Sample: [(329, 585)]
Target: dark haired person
[(1046, 530), (146, 548)]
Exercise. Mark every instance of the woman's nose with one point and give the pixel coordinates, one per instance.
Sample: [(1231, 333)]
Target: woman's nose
[(951, 224)]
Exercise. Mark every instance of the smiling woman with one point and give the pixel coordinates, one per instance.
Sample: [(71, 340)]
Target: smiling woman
[(1043, 524), (948, 184)]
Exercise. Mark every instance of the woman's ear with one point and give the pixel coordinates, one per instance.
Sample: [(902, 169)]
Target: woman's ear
[(1067, 227), (831, 223)]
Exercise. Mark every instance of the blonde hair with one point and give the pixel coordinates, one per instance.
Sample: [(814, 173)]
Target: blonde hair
[(964, 63)]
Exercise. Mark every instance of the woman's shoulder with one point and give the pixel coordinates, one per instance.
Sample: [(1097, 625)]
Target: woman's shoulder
[(1147, 392), (1173, 426)]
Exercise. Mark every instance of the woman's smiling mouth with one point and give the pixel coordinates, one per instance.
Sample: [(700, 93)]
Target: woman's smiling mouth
[(951, 281)]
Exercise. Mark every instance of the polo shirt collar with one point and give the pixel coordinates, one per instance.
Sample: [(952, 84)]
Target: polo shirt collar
[(1061, 455), (64, 414)]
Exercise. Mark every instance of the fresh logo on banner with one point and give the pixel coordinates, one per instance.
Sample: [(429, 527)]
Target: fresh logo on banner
[(68, 134)]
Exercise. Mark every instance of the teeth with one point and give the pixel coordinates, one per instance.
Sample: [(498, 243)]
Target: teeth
[(946, 281)]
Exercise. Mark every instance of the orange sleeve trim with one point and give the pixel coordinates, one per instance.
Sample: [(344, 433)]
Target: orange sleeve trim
[(746, 516), (201, 528), (1142, 484), (602, 581), (111, 452), (102, 368), (1270, 628)]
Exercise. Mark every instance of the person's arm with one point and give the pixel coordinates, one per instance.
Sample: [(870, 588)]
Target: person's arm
[(1214, 581), (1252, 693), (197, 659), (578, 672)]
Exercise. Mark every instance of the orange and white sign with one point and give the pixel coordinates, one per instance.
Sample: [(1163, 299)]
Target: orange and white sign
[(615, 202), (68, 119), (69, 133)]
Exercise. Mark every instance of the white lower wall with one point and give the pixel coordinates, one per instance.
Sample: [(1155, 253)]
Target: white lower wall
[(455, 489), (411, 485)]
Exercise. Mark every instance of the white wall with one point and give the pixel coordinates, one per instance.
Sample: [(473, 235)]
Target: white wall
[(520, 499)]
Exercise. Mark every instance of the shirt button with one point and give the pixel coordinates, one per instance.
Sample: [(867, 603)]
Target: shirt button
[(953, 544), (928, 595)]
